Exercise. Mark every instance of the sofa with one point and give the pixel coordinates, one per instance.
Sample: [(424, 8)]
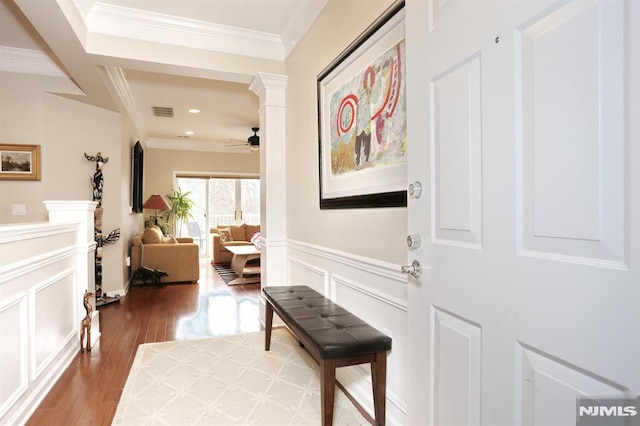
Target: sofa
[(233, 235), (178, 257)]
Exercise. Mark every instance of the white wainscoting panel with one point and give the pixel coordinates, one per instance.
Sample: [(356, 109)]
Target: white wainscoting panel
[(374, 291), (13, 356), (306, 274), (547, 388), (572, 144), (36, 242), (390, 318), (456, 144), (456, 366), (40, 295), (53, 318)]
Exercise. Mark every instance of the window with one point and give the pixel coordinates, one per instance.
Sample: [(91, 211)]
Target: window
[(219, 201), (233, 201)]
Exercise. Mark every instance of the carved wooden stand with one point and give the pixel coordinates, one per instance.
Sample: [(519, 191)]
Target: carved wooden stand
[(98, 183)]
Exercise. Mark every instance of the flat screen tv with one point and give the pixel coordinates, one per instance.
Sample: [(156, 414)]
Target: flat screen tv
[(137, 161)]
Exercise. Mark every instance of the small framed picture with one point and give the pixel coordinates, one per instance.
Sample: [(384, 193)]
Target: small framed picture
[(19, 162)]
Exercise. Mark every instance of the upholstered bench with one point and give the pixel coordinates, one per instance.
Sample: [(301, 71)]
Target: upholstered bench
[(334, 337)]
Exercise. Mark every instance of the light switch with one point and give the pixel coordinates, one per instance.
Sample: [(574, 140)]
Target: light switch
[(18, 209)]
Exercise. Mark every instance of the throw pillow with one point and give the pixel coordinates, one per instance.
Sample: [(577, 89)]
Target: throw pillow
[(169, 239), (225, 234), (152, 235), (136, 240), (254, 238), (238, 233), (251, 229)]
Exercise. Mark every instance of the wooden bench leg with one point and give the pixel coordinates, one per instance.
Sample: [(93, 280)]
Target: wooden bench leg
[(327, 389), (268, 322), (379, 381)]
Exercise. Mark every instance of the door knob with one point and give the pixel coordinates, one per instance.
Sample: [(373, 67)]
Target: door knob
[(414, 241), (415, 189), (415, 269)]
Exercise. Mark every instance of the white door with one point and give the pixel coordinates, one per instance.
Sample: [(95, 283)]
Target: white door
[(524, 131)]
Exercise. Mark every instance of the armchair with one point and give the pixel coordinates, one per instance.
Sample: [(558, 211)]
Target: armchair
[(178, 257)]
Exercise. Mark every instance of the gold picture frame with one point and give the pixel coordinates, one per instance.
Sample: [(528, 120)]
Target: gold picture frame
[(19, 162)]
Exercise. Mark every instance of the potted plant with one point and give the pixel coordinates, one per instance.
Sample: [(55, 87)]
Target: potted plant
[(181, 206), (164, 226)]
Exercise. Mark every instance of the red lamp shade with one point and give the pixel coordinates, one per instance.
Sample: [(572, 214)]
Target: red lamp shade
[(156, 202)]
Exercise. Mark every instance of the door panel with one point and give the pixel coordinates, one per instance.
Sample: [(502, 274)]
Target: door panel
[(557, 383), (570, 109), (456, 354), (457, 162), (528, 297)]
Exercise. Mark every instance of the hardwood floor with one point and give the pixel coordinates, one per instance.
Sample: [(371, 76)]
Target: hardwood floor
[(89, 390)]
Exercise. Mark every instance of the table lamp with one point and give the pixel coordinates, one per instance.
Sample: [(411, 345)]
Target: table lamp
[(156, 202)]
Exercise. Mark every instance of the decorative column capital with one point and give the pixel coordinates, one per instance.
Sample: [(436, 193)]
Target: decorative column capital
[(74, 211), (270, 88)]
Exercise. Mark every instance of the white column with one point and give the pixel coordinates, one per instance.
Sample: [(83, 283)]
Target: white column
[(81, 212), (271, 89)]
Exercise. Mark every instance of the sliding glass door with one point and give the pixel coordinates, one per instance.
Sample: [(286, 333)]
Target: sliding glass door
[(233, 201), (219, 201), (250, 201), (196, 227)]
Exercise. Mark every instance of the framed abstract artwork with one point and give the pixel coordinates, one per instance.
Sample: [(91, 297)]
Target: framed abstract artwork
[(19, 162), (362, 119)]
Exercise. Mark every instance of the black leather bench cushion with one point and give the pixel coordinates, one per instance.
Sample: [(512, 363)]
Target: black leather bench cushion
[(324, 328)]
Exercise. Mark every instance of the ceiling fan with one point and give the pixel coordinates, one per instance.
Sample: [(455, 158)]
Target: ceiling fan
[(253, 141)]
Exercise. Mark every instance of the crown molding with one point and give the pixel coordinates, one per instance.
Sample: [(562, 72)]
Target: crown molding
[(76, 13), (123, 93), (194, 145), (299, 23), (28, 61), (119, 21)]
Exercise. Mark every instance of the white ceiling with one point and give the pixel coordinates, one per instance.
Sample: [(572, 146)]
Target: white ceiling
[(131, 55)]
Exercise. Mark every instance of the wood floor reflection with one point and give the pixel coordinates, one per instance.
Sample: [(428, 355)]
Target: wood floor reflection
[(89, 390), (221, 312)]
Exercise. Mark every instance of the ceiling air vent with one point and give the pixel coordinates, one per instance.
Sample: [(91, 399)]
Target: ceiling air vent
[(163, 111)]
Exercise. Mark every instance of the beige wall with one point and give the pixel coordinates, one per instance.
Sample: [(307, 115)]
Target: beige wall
[(160, 166), (375, 233), (131, 222), (25, 118), (66, 129)]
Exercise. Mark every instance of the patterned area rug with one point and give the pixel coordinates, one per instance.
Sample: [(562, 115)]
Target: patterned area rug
[(227, 381), (229, 276)]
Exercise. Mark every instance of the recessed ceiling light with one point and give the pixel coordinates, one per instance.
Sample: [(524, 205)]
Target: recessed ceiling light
[(188, 132), (194, 110)]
